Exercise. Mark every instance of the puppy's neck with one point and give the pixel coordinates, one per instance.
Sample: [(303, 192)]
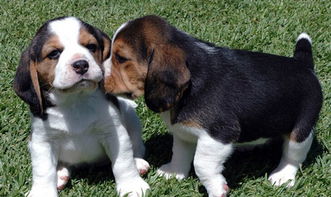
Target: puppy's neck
[(69, 98)]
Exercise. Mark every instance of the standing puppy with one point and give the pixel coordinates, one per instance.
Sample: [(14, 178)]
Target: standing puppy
[(73, 121), (212, 97)]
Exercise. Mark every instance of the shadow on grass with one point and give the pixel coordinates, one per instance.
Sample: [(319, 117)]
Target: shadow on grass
[(159, 149), (158, 152), (93, 174), (243, 164)]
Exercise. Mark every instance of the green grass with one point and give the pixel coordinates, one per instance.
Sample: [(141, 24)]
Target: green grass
[(268, 26)]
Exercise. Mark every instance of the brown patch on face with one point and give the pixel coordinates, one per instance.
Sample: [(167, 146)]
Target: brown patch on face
[(39, 74), (135, 44), (145, 61), (128, 72), (46, 67), (88, 40)]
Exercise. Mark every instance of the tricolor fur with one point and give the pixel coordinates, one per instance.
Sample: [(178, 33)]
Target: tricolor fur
[(73, 121), (211, 97)]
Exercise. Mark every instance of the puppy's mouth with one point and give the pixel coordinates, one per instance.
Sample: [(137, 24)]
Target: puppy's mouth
[(81, 85)]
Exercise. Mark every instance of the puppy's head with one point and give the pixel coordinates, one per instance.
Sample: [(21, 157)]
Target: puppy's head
[(145, 60), (66, 56)]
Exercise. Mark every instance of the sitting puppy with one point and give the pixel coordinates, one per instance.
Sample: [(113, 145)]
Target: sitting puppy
[(212, 97), (73, 121)]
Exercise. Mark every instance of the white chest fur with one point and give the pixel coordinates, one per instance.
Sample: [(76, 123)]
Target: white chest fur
[(76, 127)]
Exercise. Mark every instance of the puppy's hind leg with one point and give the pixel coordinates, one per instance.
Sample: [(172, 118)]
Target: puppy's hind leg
[(297, 143), (134, 130), (63, 176), (294, 153)]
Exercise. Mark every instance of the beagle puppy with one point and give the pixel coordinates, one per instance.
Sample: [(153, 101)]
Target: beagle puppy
[(73, 121), (212, 98)]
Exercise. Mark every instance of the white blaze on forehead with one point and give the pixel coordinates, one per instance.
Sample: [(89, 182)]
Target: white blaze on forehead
[(67, 30)]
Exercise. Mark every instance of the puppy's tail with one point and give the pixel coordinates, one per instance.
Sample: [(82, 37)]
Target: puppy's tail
[(303, 51)]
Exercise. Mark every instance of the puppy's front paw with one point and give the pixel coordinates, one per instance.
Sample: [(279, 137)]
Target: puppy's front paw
[(133, 188), (168, 171), (142, 165)]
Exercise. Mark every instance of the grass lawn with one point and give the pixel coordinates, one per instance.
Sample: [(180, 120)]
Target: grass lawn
[(267, 26)]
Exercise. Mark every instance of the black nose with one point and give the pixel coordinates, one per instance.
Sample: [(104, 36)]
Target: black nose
[(80, 67)]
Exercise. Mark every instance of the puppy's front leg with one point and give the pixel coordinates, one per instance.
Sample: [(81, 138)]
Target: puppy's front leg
[(208, 163), (119, 149), (182, 156), (44, 161)]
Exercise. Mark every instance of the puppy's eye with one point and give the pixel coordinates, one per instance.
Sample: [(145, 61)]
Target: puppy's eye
[(120, 59), (55, 54), (91, 47)]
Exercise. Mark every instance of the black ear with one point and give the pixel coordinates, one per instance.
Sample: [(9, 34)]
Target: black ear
[(104, 43), (167, 77), (26, 84), (106, 46)]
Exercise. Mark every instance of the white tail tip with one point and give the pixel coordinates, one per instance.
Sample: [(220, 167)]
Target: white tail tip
[(304, 36)]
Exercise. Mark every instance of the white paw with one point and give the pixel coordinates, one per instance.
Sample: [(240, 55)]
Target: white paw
[(220, 191), (142, 165), (132, 188), (216, 186), (42, 192), (284, 173), (281, 177), (63, 176), (168, 171)]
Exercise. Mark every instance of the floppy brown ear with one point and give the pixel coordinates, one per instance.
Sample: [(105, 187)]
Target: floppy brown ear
[(26, 84), (167, 77)]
